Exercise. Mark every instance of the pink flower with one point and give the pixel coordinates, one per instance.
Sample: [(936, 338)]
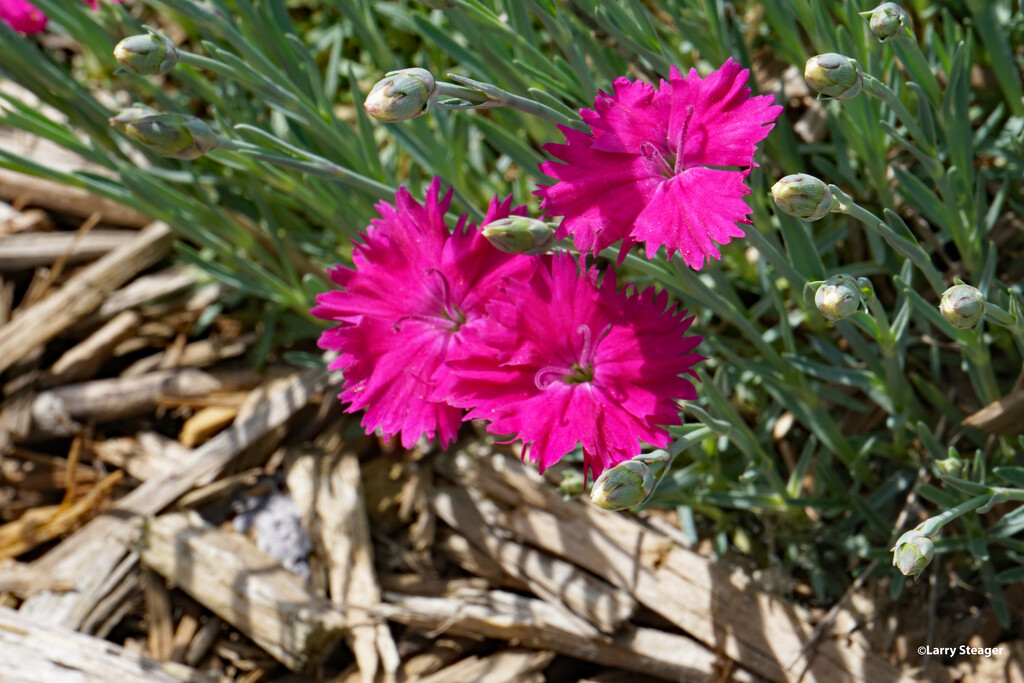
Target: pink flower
[(23, 16), (416, 291), (649, 170), (563, 359)]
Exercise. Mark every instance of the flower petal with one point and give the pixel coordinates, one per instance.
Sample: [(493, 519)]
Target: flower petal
[(692, 212)]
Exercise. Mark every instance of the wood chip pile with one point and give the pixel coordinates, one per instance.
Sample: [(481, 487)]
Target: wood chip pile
[(168, 514)]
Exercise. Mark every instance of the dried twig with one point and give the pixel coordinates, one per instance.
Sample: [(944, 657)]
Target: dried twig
[(82, 294), (241, 584), (38, 653)]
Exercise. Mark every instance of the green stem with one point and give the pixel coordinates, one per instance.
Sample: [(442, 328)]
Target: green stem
[(905, 247), (932, 525), (479, 95), (314, 166)]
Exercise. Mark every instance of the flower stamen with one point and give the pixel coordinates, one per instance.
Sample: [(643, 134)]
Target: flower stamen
[(681, 142), (652, 153)]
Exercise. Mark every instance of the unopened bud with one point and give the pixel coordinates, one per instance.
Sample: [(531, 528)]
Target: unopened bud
[(623, 486), (867, 290), (887, 20), (520, 235), (804, 196), (833, 75), (146, 55), (438, 4), (402, 95), (912, 553), (962, 305), (170, 135), (838, 297)]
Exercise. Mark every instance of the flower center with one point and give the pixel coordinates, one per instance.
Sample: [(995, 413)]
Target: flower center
[(652, 153), (449, 318), (580, 372)]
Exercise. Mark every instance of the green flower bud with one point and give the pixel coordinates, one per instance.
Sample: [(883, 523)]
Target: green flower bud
[(438, 4), (146, 55), (170, 135), (962, 305), (838, 297), (804, 196), (833, 75), (887, 20), (520, 235), (572, 484), (867, 290), (912, 553), (623, 486), (402, 95)]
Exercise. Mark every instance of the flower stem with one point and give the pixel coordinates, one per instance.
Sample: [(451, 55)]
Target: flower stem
[(479, 95), (314, 165), (932, 525), (903, 246)]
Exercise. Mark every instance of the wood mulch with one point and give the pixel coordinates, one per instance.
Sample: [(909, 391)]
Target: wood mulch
[(168, 514)]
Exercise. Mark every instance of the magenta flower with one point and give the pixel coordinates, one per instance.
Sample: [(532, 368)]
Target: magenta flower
[(416, 291), (650, 170), (25, 17), (563, 359)]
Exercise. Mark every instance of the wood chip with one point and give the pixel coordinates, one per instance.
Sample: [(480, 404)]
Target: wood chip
[(538, 624), (145, 289), (85, 291), (42, 524), (727, 614), (1004, 417), (513, 665), (159, 624), (64, 198), (145, 456), (57, 412), (90, 555), (38, 653), (552, 579), (330, 488), (83, 360), (206, 423), (28, 250), (226, 573)]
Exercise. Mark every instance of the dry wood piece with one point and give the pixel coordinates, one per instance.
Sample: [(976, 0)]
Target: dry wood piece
[(195, 355), (145, 456), (160, 627), (84, 359), (549, 578), (755, 630), (91, 554), (42, 524), (56, 412), (16, 222), (47, 194), (82, 294), (537, 624), (205, 423), (21, 580), (36, 653), (514, 665), (28, 250), (1004, 417), (241, 584), (330, 488), (146, 288)]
